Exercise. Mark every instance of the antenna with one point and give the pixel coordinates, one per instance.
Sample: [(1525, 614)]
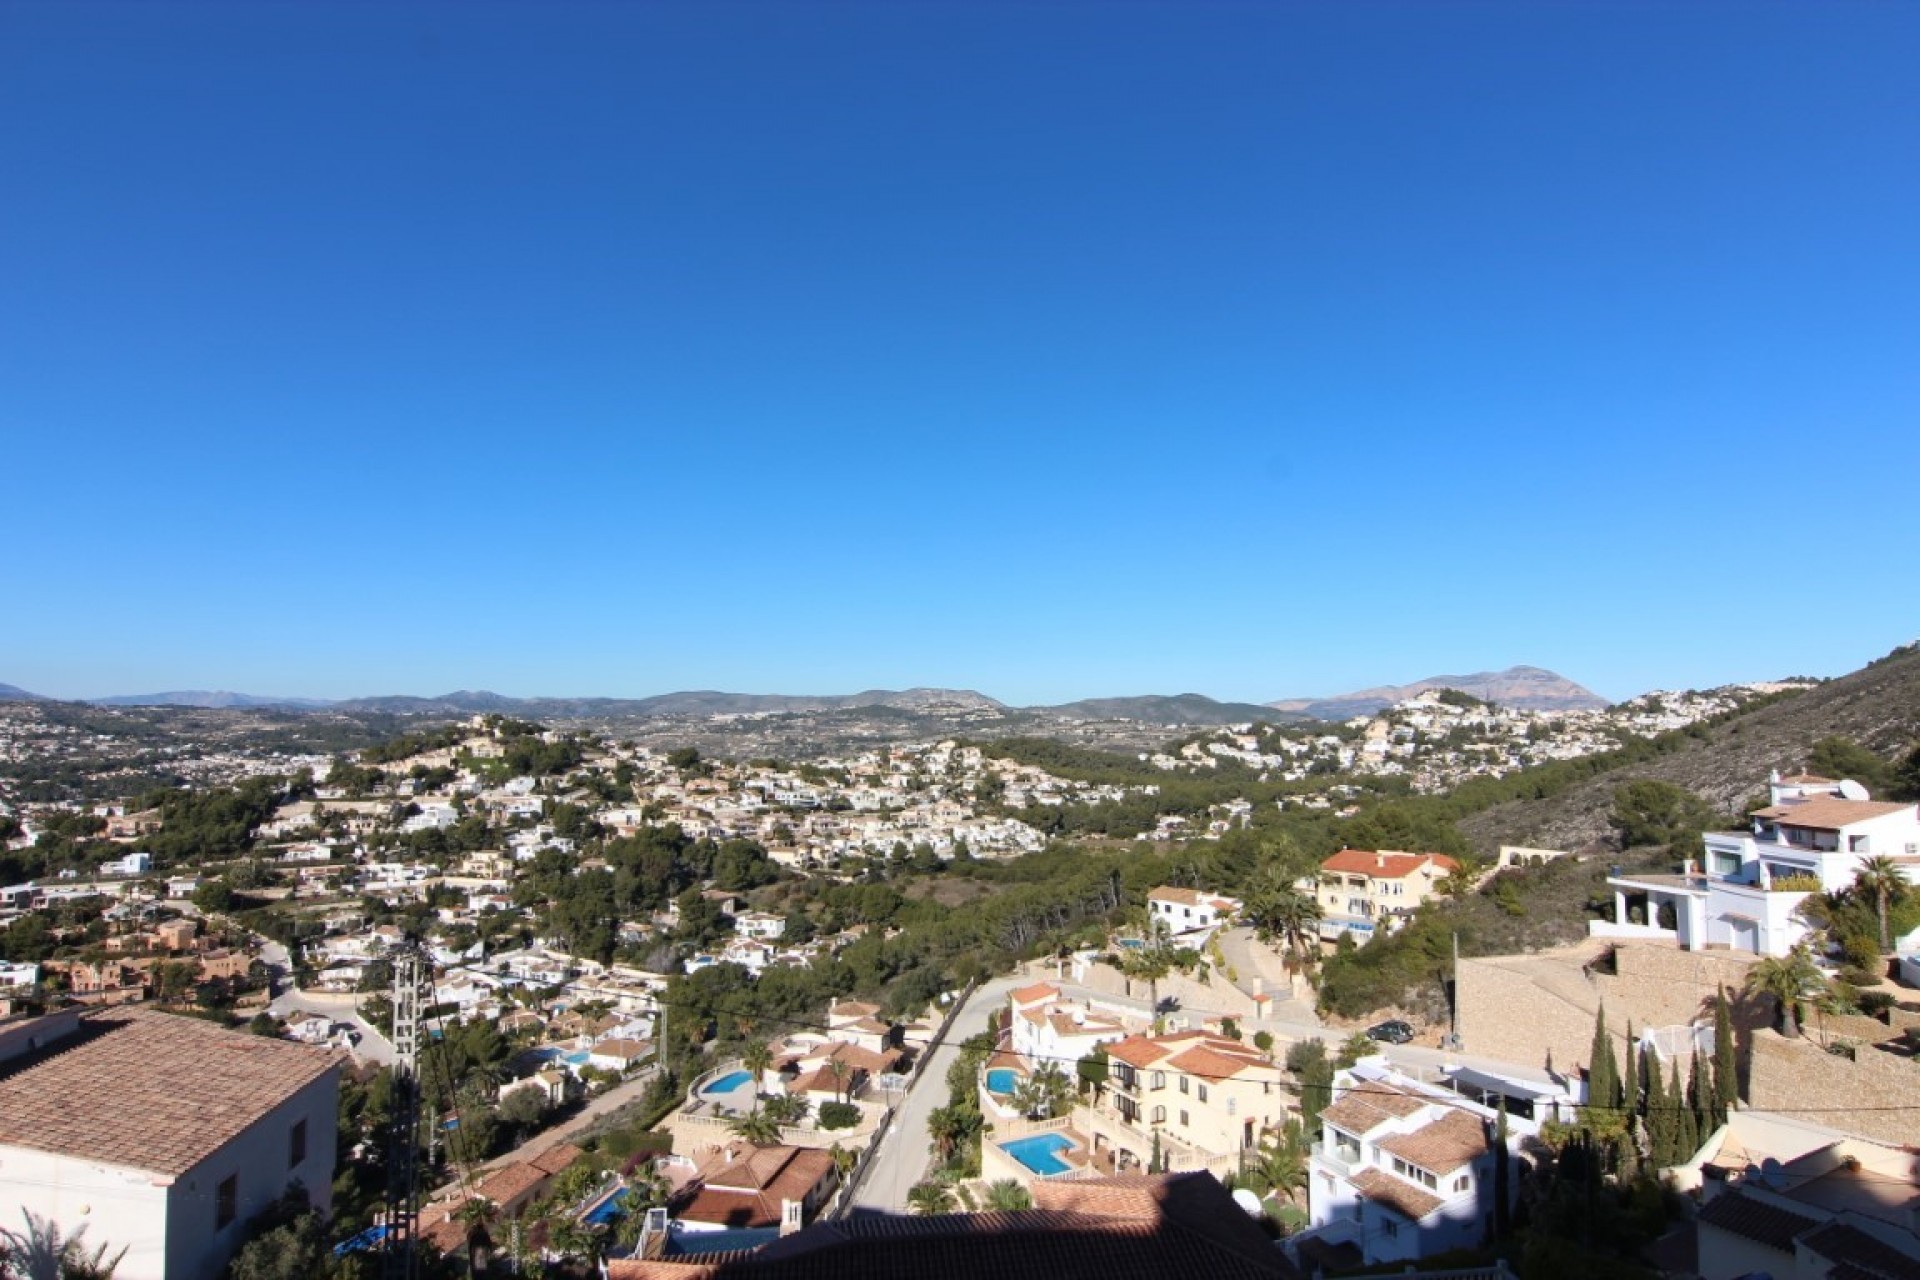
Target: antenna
[(403, 1173)]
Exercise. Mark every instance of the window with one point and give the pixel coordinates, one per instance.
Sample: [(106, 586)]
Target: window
[(226, 1202), (1159, 1079), (1414, 1173), (1388, 1227), (1184, 1122), (1183, 1084), (1159, 1115), (1203, 1093), (1462, 1182), (297, 1145)]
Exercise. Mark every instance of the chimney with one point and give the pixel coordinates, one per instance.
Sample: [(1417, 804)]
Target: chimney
[(1380, 861), (791, 1219)]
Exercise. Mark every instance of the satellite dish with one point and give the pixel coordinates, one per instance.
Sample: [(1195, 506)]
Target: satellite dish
[(1851, 790), (1247, 1200), (1773, 1174)]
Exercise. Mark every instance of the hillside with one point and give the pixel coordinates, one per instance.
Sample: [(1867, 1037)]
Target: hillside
[(1877, 706), (1178, 709), (1523, 688)]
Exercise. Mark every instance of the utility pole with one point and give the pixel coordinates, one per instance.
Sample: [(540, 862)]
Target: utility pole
[(403, 1172)]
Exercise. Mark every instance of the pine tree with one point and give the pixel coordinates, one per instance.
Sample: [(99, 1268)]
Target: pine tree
[(1726, 1079), (1603, 1069)]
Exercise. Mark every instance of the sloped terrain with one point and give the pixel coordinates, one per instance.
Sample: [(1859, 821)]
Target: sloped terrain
[(1877, 706)]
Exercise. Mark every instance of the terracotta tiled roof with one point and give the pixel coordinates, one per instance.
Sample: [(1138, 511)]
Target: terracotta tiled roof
[(1405, 1198), (557, 1159), (1456, 1138), (1755, 1220), (1137, 1051), (1037, 992), (1360, 1111), (1829, 813), (514, 1182), (1169, 893), (853, 1009), (1386, 865), (149, 1090), (1209, 1063), (1143, 1229), (1863, 1254)]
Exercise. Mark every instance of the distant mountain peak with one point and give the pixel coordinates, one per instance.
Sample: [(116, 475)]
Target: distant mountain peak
[(1523, 688), (14, 693)]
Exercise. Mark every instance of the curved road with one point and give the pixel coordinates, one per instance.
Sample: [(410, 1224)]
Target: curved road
[(907, 1148)]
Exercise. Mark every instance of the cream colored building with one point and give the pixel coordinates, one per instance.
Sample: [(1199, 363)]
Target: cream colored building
[(1364, 892), (1207, 1097)]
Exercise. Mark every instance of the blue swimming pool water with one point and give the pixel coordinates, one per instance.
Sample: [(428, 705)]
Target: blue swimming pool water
[(577, 1058), (608, 1210), (728, 1082), (1133, 944), (1002, 1080), (684, 1244), (1041, 1152)]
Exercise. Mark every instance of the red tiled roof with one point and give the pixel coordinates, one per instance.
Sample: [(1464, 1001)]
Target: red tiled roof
[(1386, 864), (1403, 1197), (1038, 991), (1360, 1111), (1456, 1138), (1829, 813), (1140, 1229), (1755, 1220), (1137, 1051), (150, 1090)]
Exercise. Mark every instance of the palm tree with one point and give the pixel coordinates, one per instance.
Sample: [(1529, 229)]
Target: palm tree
[(1278, 1166), (1789, 979), (1044, 1094), (1008, 1194), (44, 1252), (477, 1214), (1880, 876), (840, 1071), (1282, 913), (571, 1238), (757, 1127), (756, 1058), (928, 1198)]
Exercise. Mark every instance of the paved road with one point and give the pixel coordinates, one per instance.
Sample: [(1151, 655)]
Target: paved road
[(907, 1148), (373, 1047)]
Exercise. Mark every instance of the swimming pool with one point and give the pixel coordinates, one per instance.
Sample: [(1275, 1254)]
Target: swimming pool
[(578, 1058), (728, 1082), (614, 1206), (1041, 1152), (1002, 1080), (1132, 944)]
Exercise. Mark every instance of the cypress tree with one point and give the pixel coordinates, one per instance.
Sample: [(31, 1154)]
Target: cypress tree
[(1502, 1209), (1603, 1069), (1726, 1079), (1686, 1132), (1680, 1123), (1630, 1079), (1700, 1093), (1659, 1119)]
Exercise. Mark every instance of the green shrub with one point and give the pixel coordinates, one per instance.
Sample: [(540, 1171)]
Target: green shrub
[(839, 1115)]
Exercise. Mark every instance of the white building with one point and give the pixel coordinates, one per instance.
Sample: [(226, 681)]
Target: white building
[(1045, 1028), (1811, 838), (1402, 1170), (1180, 911), (132, 864), (160, 1134)]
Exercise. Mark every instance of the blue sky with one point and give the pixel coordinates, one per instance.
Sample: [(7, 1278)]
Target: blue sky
[(1053, 350)]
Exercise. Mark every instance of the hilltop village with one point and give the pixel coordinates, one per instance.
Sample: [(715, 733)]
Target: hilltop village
[(669, 1015)]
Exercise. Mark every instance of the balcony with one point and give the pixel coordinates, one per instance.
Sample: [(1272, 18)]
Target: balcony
[(1344, 1158)]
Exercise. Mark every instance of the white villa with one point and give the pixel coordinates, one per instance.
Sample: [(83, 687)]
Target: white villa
[(1811, 838), (1179, 911), (1402, 1170)]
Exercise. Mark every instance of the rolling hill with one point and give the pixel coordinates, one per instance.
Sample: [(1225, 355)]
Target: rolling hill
[(1522, 688)]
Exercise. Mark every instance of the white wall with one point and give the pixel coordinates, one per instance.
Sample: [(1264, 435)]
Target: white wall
[(167, 1225)]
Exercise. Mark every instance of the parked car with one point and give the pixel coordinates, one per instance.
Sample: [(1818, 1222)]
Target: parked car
[(1392, 1031)]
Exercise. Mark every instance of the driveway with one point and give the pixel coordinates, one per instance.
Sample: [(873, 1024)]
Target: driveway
[(907, 1148), (373, 1047)]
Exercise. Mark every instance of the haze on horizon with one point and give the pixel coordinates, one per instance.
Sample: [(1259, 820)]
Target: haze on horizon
[(1051, 351)]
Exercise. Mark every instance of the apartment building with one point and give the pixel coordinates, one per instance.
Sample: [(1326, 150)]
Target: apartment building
[(1200, 1098), (1364, 892)]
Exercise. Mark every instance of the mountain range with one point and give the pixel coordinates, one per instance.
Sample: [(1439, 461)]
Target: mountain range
[(1522, 688), (1529, 688)]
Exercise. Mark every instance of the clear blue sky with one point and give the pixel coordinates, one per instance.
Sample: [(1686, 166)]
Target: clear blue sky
[(1048, 349)]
